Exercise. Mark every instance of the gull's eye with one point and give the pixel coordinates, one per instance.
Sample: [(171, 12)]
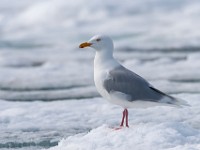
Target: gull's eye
[(98, 39)]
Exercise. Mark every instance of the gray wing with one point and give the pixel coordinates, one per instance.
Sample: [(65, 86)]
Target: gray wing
[(127, 82)]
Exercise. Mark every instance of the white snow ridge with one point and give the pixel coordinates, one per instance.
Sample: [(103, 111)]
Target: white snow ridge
[(170, 129), (171, 136)]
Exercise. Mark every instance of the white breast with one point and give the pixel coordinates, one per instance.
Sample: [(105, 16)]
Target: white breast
[(99, 77), (101, 72)]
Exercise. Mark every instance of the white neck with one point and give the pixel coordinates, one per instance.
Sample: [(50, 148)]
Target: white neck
[(104, 54), (104, 58)]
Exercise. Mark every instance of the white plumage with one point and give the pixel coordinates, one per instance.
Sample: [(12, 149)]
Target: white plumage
[(121, 86)]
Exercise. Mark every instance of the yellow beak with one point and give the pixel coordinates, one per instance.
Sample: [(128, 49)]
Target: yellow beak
[(85, 44)]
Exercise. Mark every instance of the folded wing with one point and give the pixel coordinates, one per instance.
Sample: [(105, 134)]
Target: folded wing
[(135, 87)]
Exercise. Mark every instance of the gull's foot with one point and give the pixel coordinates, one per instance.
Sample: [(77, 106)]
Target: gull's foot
[(120, 127)]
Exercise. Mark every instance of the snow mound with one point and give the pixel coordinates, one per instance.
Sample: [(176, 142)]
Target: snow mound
[(173, 136)]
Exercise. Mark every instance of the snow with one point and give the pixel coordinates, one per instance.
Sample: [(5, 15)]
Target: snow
[(154, 23), (161, 128), (162, 136), (47, 93), (88, 124), (56, 73)]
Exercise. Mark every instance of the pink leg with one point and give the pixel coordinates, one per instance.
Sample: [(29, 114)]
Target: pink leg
[(122, 122), (126, 115)]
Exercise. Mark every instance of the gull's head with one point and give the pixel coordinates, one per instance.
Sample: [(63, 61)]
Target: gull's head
[(99, 43)]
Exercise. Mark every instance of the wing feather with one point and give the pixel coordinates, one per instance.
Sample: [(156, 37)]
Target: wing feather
[(125, 81)]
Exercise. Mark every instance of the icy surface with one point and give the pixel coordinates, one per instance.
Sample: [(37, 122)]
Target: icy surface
[(87, 124), (146, 23), (173, 136), (40, 65), (153, 128)]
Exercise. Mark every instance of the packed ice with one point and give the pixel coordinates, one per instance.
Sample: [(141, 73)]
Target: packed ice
[(47, 92)]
